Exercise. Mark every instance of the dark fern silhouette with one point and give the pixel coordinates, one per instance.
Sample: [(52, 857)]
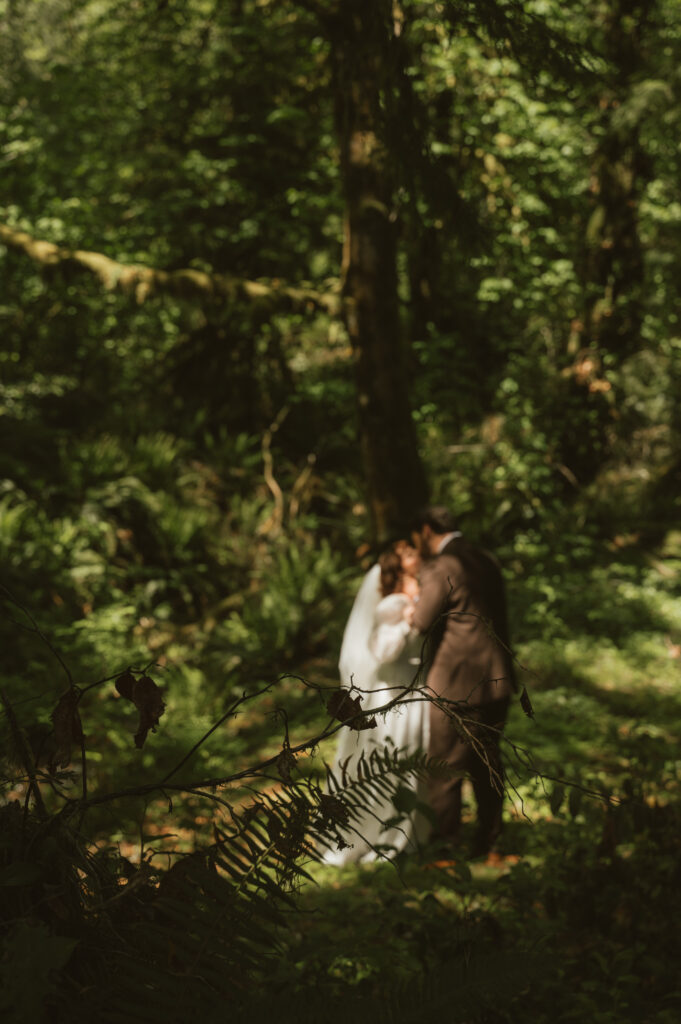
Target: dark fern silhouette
[(114, 940)]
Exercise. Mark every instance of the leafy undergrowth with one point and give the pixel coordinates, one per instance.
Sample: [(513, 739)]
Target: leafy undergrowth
[(579, 919), (571, 932)]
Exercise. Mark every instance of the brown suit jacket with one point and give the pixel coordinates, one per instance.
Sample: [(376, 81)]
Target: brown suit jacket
[(463, 602)]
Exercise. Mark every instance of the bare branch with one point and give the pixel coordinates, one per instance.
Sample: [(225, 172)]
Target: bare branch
[(231, 710)]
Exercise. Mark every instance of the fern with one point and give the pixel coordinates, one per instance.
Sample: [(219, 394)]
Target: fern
[(161, 947), (377, 779), (215, 926)]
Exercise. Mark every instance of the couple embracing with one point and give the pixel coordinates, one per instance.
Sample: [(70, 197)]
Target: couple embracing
[(433, 605)]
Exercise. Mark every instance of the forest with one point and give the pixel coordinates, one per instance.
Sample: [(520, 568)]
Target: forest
[(273, 275)]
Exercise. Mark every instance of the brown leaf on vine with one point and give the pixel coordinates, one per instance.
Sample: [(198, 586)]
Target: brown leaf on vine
[(347, 709), (147, 698), (125, 684), (285, 763), (68, 728), (360, 723)]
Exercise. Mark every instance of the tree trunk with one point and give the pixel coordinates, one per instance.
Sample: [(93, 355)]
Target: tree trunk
[(361, 39), (612, 267), (614, 260)]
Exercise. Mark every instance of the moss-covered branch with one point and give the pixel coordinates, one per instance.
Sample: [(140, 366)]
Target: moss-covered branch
[(143, 282)]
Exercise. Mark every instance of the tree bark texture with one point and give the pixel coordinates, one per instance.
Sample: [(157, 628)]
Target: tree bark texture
[(614, 270), (362, 65)]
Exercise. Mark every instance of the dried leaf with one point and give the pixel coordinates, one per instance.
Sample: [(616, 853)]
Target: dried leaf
[(68, 728), (125, 684), (285, 763), (342, 706), (358, 724), (526, 703), (150, 704), (347, 709), (147, 698)]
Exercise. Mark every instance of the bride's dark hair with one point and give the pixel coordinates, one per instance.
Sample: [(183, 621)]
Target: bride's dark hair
[(391, 570)]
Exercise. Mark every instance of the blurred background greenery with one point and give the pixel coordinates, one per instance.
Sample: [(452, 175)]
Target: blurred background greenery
[(181, 471)]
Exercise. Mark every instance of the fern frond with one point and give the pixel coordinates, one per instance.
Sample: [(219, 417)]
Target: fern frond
[(369, 790)]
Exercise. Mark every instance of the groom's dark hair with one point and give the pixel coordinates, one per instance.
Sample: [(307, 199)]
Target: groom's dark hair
[(437, 517)]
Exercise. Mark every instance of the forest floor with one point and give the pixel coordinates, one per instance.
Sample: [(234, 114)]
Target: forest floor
[(583, 906), (578, 919)]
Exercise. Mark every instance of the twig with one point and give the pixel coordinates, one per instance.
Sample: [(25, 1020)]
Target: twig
[(332, 727), (228, 714), (222, 780), (29, 700)]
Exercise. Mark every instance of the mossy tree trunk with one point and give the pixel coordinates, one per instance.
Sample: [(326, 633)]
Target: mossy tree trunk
[(361, 39)]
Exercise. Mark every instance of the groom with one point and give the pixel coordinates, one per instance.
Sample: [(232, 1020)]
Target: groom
[(462, 605)]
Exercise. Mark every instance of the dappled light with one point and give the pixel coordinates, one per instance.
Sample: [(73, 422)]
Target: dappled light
[(279, 740)]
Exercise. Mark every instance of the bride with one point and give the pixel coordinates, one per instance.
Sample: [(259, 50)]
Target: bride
[(380, 658)]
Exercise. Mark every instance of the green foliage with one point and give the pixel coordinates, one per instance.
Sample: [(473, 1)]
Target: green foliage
[(298, 582), (141, 519)]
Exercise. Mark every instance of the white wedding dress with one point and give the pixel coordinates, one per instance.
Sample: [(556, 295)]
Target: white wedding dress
[(380, 659)]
